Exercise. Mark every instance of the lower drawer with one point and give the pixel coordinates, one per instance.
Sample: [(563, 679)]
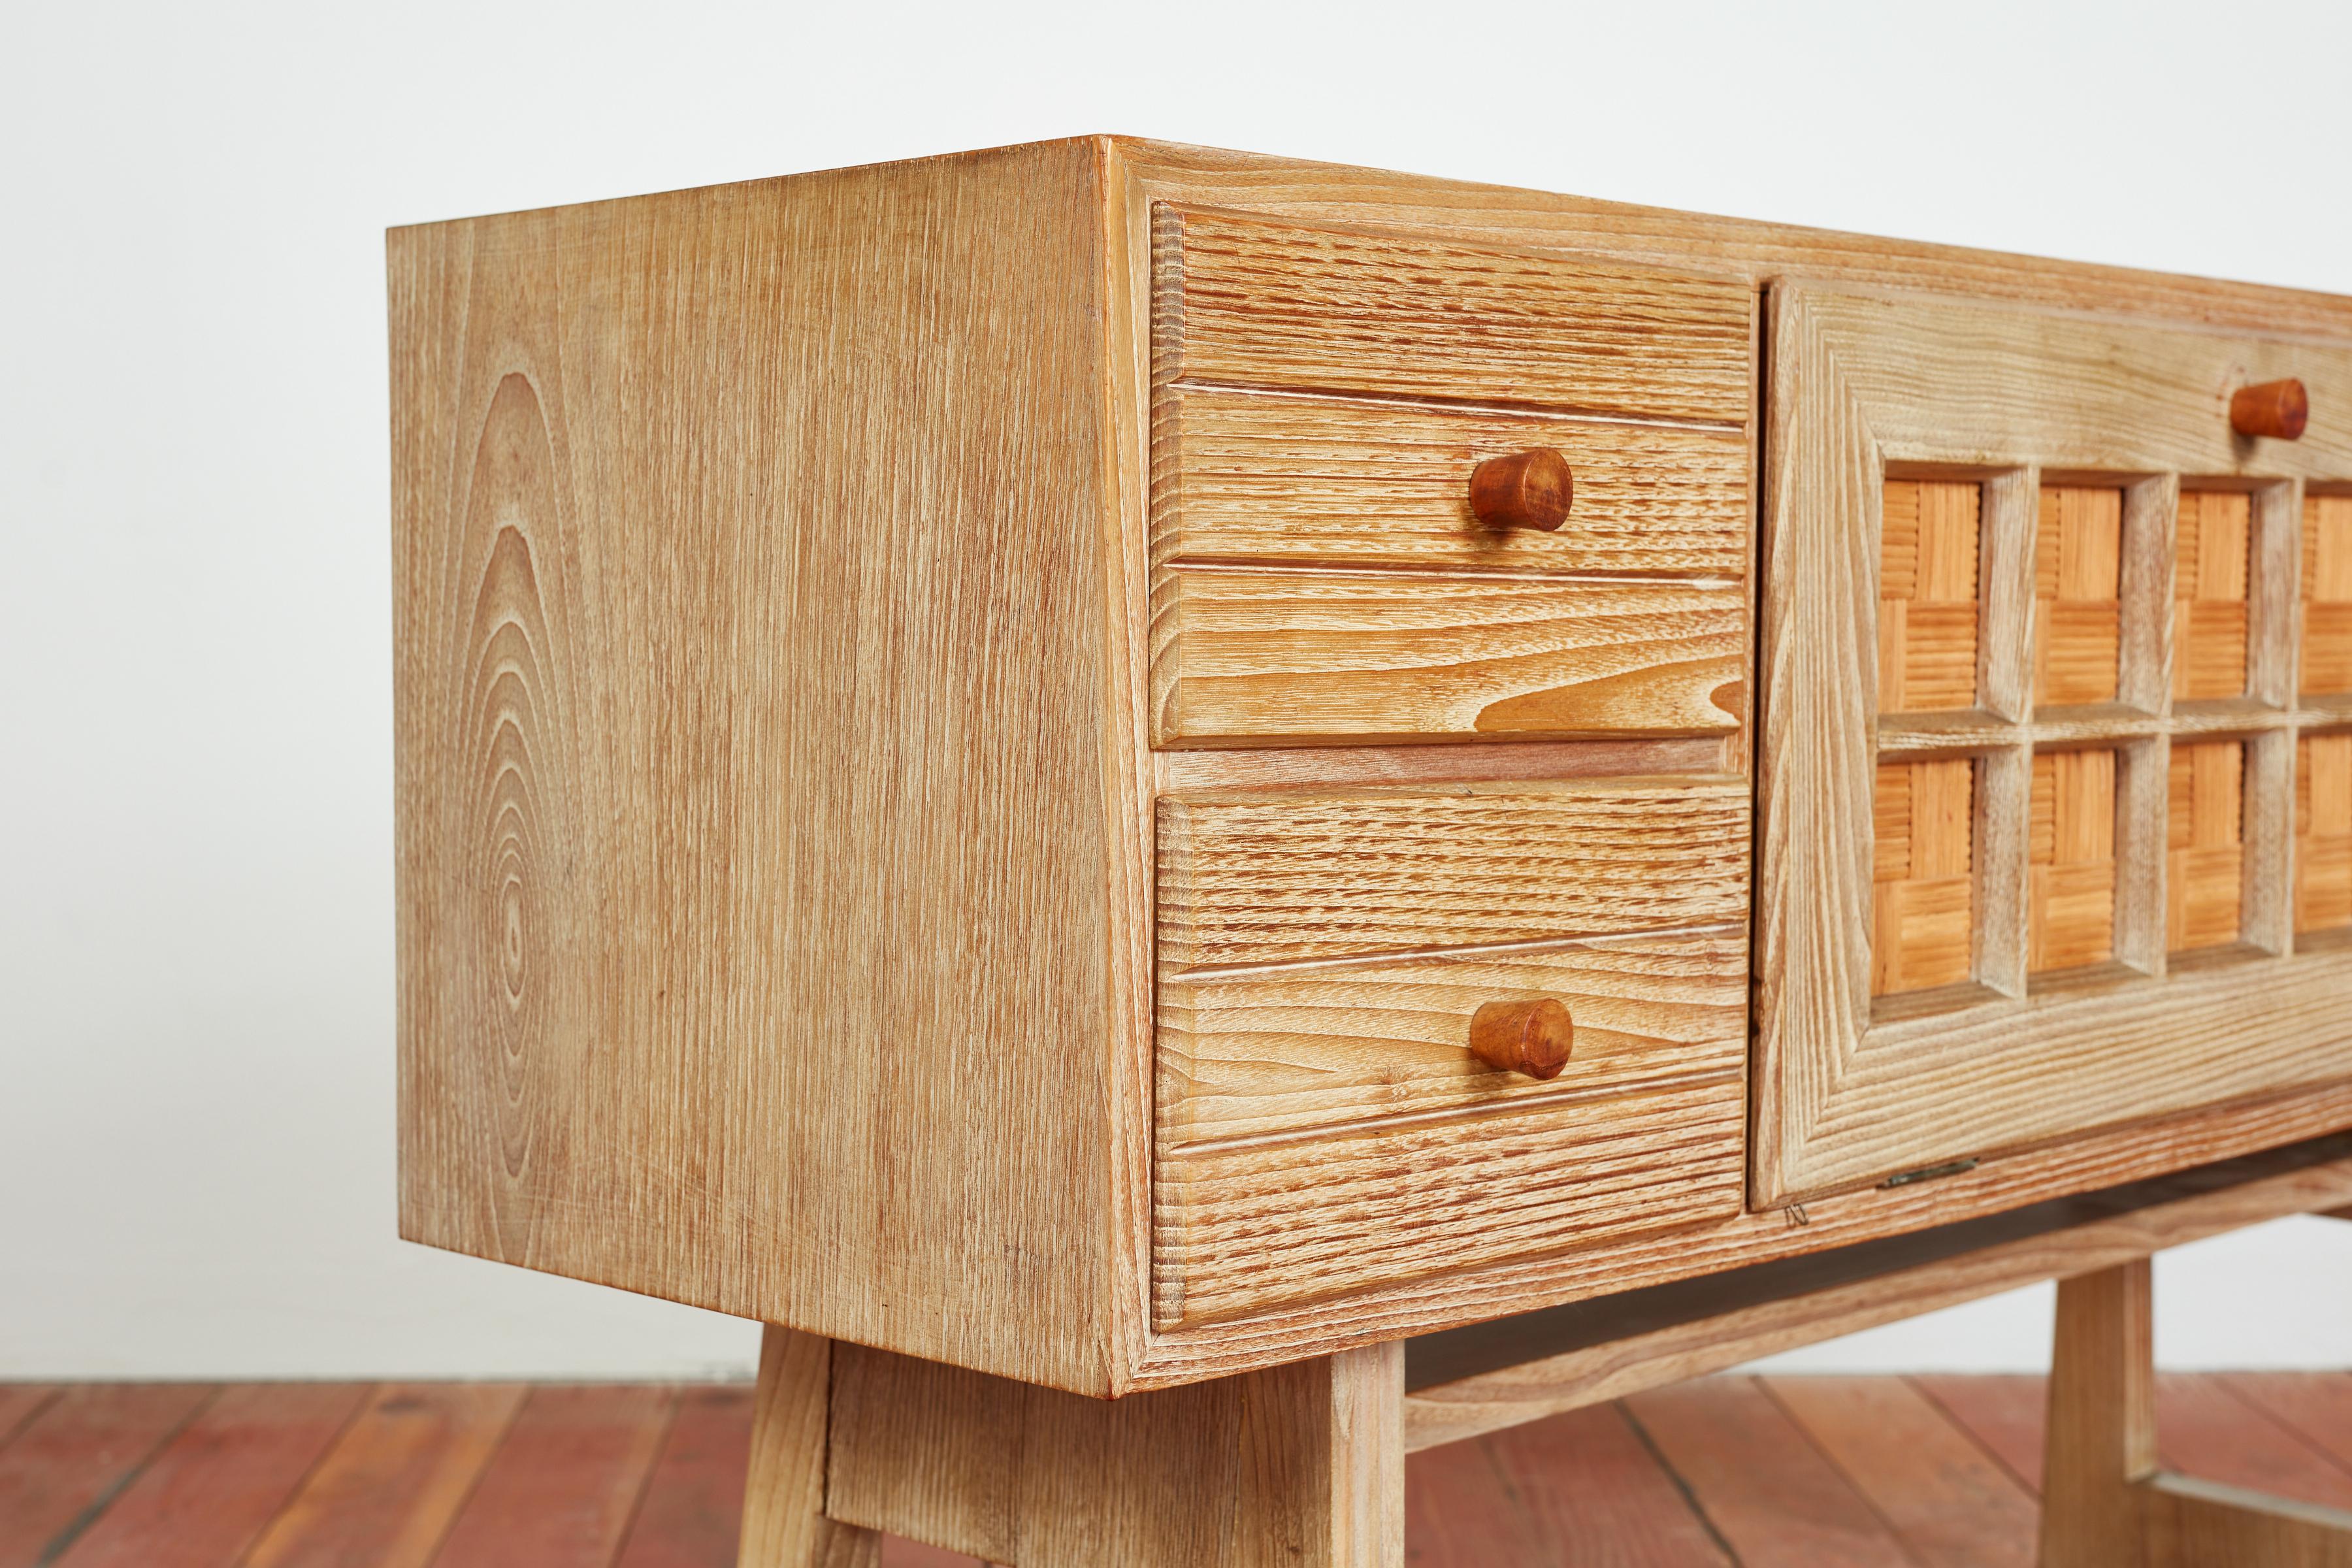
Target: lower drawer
[(1325, 1120), (1242, 1226)]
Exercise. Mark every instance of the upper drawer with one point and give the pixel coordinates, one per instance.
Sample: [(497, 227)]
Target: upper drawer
[(1348, 481), (1242, 301)]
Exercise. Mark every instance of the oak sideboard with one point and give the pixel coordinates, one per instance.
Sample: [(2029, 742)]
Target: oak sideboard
[(1200, 818)]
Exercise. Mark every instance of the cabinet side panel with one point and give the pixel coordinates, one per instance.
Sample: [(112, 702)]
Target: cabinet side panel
[(751, 639)]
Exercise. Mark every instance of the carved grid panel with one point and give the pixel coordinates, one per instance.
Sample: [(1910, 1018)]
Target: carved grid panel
[(2147, 766)]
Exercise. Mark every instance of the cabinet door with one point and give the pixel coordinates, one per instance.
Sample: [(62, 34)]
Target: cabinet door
[(2054, 728)]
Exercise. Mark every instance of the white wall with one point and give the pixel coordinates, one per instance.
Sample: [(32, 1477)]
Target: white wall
[(195, 933)]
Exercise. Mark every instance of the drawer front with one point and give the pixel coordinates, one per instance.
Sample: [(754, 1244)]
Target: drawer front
[(1241, 656), (1346, 482), (1321, 402), (1245, 301), (1317, 1047), (1239, 1228), (1323, 1123)]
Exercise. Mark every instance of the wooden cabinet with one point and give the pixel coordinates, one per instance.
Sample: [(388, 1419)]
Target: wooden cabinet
[(969, 763)]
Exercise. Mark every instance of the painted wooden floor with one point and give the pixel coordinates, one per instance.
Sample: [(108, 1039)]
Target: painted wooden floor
[(1822, 1472)]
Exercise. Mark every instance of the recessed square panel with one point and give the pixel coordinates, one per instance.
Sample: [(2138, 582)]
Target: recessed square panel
[(2323, 832), (2077, 595), (2205, 845), (2328, 595), (1923, 879), (1927, 597), (2211, 556), (2071, 850)]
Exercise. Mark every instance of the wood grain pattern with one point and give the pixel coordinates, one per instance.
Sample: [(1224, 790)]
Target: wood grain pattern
[(2323, 828), (1927, 608), (1299, 1465), (1242, 1227), (2106, 1502), (2206, 826), (2210, 584), (1940, 388), (210, 1492), (1250, 878), (2328, 595), (1251, 302), (393, 1482), (2078, 594), (1292, 1049), (1626, 1362), (1923, 880), (1312, 480), (2071, 900), (1240, 655), (2101, 1435), (2192, 1524), (2125, 1153), (784, 1521), (696, 785)]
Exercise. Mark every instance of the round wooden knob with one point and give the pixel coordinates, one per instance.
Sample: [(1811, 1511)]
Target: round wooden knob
[(1531, 1038), (1526, 490), (2278, 409)]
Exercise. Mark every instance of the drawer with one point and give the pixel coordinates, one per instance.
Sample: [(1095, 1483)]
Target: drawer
[(1322, 1124), (1240, 1227), (1245, 301), (1316, 1047), (1241, 656), (1303, 480)]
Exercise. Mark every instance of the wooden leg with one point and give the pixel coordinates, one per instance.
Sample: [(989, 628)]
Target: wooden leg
[(2101, 1427), (2105, 1502), (785, 1522), (1301, 1466)]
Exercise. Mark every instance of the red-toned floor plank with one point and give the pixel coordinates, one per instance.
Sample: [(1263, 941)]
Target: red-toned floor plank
[(898, 1554), (1462, 1512), (1952, 1504), (1597, 1495), (692, 1512), (386, 1494), (2316, 1404), (1763, 1484), (75, 1453), (2203, 1429), (19, 1403), (2004, 1413), (205, 1497), (565, 1483)]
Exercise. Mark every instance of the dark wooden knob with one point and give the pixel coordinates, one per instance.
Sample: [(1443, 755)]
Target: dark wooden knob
[(2278, 409), (1533, 1037), (1526, 490)]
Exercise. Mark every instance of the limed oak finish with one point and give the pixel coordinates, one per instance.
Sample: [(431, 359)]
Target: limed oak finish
[(1106, 771)]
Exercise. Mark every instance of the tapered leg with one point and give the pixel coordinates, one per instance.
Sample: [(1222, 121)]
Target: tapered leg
[(785, 1522), (2102, 1427), (2105, 1504)]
